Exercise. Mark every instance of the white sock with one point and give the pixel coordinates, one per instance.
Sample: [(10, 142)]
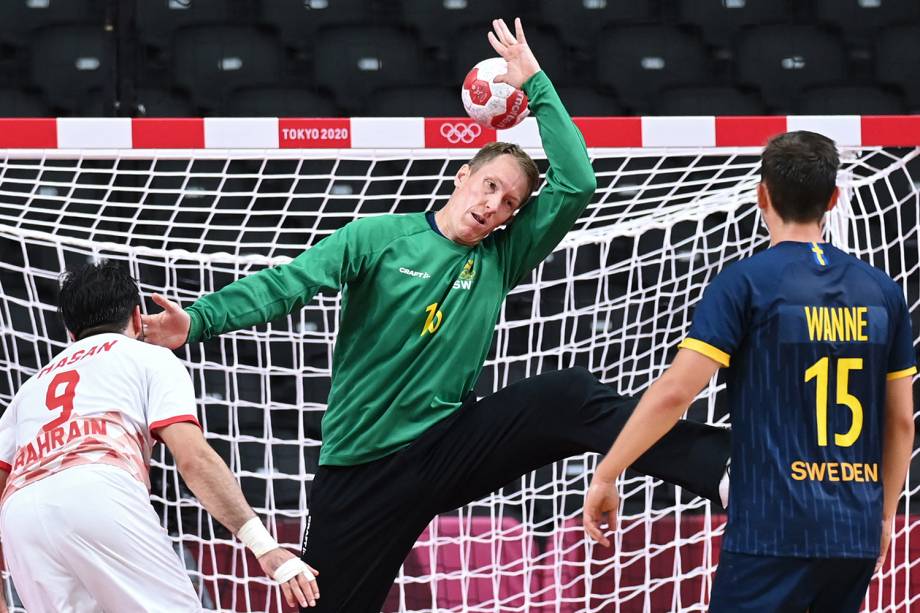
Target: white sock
[(723, 486)]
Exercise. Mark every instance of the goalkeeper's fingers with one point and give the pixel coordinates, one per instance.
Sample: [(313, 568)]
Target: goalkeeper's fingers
[(168, 328), (164, 302)]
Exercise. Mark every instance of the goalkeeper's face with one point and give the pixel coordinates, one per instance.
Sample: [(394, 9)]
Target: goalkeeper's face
[(484, 199)]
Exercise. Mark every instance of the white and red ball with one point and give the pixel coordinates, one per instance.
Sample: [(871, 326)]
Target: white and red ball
[(491, 104)]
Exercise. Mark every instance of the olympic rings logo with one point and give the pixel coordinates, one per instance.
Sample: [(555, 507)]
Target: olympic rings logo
[(460, 132)]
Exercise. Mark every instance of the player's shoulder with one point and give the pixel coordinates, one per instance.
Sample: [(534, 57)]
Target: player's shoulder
[(885, 283), (876, 273), (375, 234), (385, 228), (760, 270), (103, 352), (389, 222), (770, 263), (146, 354), (740, 270), (767, 259)]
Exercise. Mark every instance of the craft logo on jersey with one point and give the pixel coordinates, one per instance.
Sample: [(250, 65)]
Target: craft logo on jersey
[(414, 273), (465, 280), (457, 133)]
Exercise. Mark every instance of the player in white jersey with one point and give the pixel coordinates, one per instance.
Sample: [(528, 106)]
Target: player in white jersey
[(78, 531)]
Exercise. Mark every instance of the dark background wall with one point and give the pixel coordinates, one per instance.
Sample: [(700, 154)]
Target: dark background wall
[(408, 57)]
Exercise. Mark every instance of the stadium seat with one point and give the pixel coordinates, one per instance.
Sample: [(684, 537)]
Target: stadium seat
[(849, 100), (415, 101), (720, 20), (439, 21), (297, 21), (148, 103), (579, 21), (95, 104), (20, 18), (157, 20), (352, 61), (16, 103), (67, 62), (582, 101), (897, 61), (209, 61), (639, 61), (163, 103), (278, 102), (715, 100), (859, 20), (783, 60), (471, 47)]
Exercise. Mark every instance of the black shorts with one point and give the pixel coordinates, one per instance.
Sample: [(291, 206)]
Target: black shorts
[(365, 519), (774, 584)]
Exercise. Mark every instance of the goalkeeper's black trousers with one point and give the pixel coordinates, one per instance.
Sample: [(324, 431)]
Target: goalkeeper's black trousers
[(364, 519)]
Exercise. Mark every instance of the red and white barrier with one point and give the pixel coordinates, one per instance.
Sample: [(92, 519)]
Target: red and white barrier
[(439, 132)]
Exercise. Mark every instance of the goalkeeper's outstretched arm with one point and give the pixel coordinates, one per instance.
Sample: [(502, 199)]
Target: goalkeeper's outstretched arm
[(214, 485)]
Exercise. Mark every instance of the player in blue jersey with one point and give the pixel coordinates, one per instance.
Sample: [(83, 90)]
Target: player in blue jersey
[(818, 353)]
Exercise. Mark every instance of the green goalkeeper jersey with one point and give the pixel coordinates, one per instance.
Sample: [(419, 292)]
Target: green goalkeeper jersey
[(418, 310)]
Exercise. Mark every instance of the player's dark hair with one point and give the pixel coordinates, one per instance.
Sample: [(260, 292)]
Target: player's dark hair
[(97, 298), (493, 150), (800, 171)]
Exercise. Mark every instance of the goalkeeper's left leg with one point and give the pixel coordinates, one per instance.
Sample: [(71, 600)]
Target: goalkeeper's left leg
[(558, 414), (365, 518)]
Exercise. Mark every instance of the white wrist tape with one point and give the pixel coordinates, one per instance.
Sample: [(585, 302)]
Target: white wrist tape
[(256, 537), (291, 569)]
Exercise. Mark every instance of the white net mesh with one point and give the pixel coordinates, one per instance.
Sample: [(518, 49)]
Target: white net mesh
[(616, 296)]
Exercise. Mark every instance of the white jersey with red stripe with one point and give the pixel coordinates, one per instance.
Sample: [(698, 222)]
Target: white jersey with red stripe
[(100, 401)]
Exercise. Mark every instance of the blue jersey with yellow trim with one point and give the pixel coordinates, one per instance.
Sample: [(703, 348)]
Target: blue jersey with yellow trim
[(810, 335)]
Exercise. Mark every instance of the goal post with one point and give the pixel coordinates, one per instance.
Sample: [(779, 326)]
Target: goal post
[(189, 205)]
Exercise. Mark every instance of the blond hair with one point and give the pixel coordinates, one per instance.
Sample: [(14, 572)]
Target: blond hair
[(525, 162)]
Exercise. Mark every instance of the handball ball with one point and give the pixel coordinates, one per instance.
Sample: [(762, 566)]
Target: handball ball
[(491, 104)]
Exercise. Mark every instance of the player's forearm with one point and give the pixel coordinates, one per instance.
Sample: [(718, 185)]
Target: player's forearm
[(570, 182), (214, 485), (657, 412), (563, 143), (250, 301), (898, 443), (3, 605), (274, 292), (895, 461)]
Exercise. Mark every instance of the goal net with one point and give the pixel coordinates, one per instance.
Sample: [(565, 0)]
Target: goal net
[(616, 297)]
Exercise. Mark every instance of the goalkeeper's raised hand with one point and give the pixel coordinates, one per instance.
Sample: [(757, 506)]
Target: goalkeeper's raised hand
[(514, 49)]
